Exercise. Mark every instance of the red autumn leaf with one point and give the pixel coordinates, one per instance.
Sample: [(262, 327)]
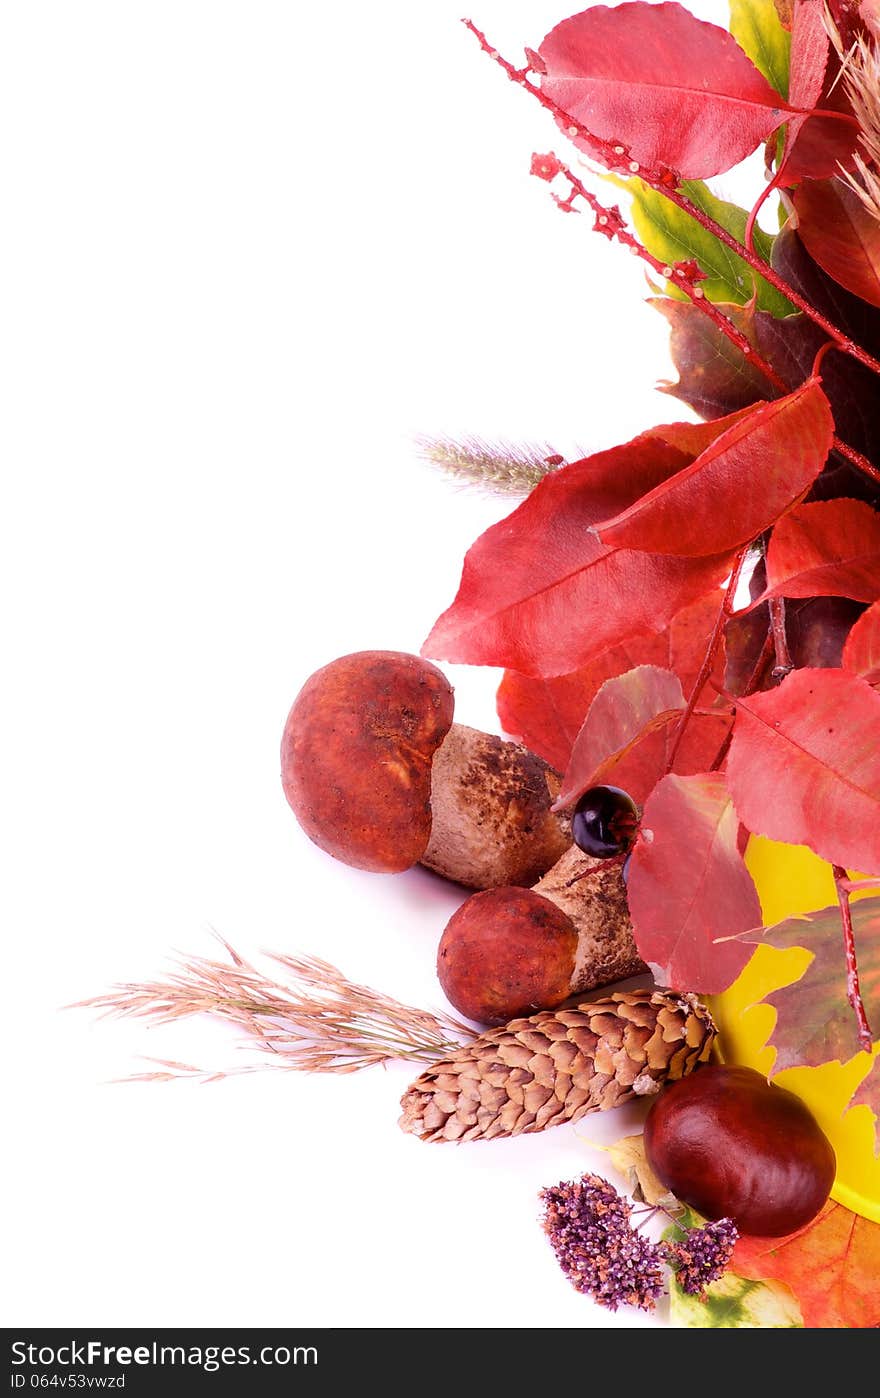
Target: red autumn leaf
[(814, 1021), (804, 766), (688, 885), (832, 1266), (714, 376), (840, 234), (827, 549), (629, 732), (867, 1094), (713, 382), (547, 714), (541, 594), (810, 47), (816, 145), (816, 627), (624, 708), (641, 765), (749, 476), (674, 91), (861, 654), (791, 345)]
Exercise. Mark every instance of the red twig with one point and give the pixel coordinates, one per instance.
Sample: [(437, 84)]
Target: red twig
[(858, 460), (686, 275), (616, 157), (723, 750), (765, 270), (784, 663), (853, 989), (709, 658), (598, 868)]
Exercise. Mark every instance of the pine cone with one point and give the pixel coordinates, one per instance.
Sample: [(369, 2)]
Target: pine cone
[(558, 1065)]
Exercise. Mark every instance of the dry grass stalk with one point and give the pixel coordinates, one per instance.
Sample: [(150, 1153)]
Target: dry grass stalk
[(861, 78), (316, 1021), (496, 466)]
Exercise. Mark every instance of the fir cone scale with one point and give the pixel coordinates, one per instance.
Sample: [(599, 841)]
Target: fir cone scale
[(558, 1065)]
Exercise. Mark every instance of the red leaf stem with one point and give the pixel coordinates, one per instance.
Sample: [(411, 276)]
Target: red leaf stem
[(666, 181), (709, 659), (749, 235), (853, 990), (784, 663)]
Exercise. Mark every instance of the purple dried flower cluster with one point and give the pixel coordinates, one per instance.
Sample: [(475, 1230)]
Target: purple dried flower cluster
[(701, 1255), (588, 1224)]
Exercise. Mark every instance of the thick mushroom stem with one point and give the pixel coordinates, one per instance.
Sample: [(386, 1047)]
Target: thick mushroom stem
[(510, 951), (491, 819), (593, 894)]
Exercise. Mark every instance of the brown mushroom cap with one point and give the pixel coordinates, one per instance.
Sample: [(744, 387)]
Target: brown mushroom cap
[(506, 952), (356, 756)]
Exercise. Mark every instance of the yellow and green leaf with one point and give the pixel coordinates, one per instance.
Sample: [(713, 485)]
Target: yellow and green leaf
[(673, 235), (732, 1302), (756, 26)]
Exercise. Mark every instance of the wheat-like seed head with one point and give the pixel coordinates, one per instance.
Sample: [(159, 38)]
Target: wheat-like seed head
[(316, 1020), (498, 467)]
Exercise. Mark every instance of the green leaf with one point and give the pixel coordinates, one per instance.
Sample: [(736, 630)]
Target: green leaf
[(757, 29), (673, 235), (731, 1303)]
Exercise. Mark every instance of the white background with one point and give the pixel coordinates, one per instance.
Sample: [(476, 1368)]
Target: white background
[(249, 251)]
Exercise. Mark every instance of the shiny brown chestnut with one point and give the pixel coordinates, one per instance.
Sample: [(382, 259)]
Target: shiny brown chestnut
[(730, 1144)]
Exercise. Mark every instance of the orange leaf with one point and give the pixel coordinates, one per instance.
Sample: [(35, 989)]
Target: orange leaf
[(832, 1266)]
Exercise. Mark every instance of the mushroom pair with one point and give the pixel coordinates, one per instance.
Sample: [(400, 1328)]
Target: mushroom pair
[(379, 776)]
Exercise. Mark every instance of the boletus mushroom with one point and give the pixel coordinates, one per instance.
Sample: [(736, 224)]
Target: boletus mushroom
[(508, 952), (380, 777)]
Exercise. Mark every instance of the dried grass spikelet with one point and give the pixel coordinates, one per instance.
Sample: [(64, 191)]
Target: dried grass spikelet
[(552, 1067), (558, 1065), (499, 467), (861, 78), (316, 1021)]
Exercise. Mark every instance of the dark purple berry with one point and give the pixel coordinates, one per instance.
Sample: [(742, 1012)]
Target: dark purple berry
[(605, 822), (624, 872)]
